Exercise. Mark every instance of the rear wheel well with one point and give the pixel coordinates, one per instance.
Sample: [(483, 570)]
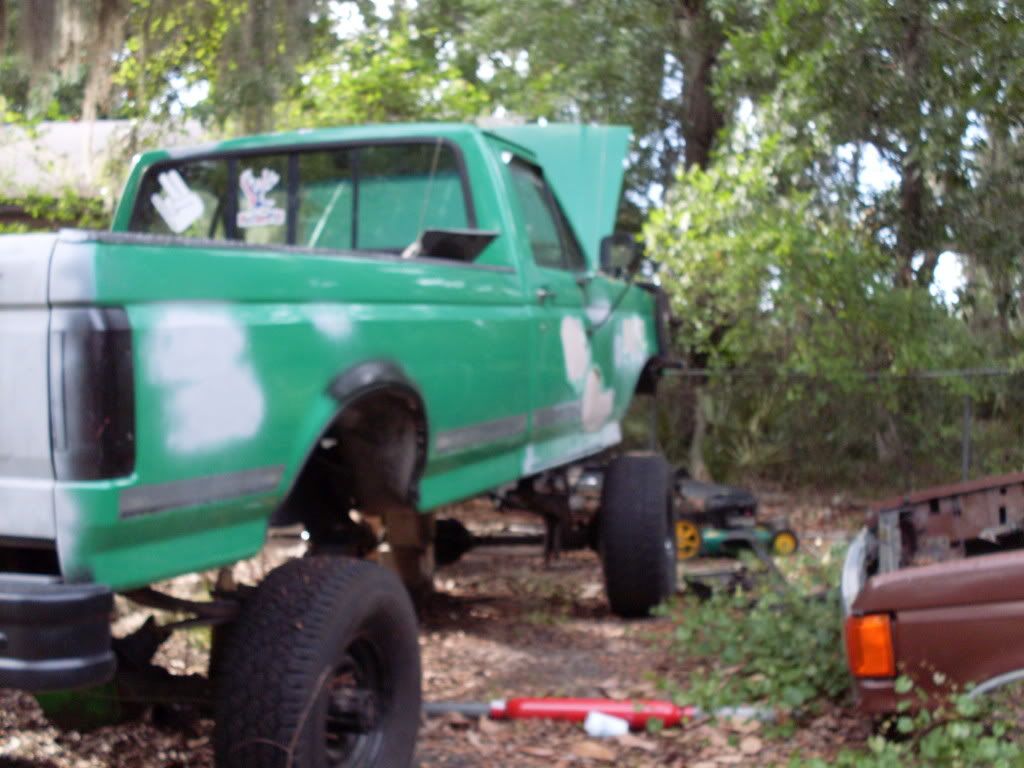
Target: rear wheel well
[(369, 458)]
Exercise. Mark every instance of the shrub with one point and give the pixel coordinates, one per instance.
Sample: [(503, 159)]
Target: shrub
[(775, 646)]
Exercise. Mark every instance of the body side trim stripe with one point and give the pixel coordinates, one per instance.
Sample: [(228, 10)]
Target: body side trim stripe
[(464, 438), (150, 499), (557, 415)]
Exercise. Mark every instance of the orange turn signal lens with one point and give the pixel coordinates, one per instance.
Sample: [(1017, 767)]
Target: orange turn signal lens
[(869, 646)]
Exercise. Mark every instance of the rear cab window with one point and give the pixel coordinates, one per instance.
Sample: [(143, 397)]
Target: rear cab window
[(372, 197)]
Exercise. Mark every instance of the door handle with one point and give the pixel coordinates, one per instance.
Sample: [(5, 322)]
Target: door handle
[(544, 295), (584, 279)]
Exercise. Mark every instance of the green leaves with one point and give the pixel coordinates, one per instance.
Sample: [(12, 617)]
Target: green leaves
[(378, 80), (777, 648)]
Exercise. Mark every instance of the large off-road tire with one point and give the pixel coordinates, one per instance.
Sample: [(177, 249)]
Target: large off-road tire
[(322, 668), (637, 534)]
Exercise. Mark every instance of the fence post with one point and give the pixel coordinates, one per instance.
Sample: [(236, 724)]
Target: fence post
[(965, 441), (652, 425)]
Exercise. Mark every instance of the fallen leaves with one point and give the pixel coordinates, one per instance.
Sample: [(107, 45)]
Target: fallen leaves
[(635, 742), (478, 646), (537, 751), (594, 751), (751, 745)]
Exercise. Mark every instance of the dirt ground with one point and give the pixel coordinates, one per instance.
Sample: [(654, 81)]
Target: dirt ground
[(502, 624)]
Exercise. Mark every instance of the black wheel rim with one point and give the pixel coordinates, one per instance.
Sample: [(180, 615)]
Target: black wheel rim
[(359, 698)]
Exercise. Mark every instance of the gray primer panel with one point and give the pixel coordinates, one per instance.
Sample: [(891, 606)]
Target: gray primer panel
[(149, 499), (24, 394), (478, 434), (73, 274), (26, 472), (26, 509), (24, 269)]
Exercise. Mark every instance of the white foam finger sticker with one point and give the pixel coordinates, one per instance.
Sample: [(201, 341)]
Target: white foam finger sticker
[(178, 206)]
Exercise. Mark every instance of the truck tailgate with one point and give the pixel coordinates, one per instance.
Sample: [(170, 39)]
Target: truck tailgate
[(26, 470)]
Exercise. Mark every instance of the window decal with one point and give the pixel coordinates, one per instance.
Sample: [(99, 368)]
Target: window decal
[(179, 206), (258, 210)]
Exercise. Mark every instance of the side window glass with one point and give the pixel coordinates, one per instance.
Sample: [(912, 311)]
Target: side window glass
[(551, 238), (186, 199), (325, 203), (404, 189), (378, 198), (261, 212), (541, 228), (573, 255)]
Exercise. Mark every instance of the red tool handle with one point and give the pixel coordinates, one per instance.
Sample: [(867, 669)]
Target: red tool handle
[(637, 713)]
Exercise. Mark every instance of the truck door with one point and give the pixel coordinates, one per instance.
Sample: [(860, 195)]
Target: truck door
[(567, 396)]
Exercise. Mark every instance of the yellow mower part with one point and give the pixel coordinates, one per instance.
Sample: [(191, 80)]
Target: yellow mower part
[(687, 539), (784, 543)]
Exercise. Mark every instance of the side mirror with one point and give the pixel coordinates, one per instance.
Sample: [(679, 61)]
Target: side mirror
[(621, 254), (455, 244)]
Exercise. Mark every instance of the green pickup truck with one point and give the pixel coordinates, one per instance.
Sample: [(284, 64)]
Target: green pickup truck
[(317, 329)]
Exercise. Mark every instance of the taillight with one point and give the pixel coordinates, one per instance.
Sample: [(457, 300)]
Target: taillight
[(869, 646), (92, 393)]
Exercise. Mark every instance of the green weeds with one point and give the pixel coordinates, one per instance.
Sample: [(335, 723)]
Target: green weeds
[(775, 646), (782, 648), (960, 732)]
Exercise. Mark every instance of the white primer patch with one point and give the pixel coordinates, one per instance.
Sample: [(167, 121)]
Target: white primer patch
[(331, 320), (630, 345), (598, 401), (198, 356), (598, 311), (576, 350)]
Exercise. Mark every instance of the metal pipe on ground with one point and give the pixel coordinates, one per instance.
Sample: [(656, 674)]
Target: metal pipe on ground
[(638, 713)]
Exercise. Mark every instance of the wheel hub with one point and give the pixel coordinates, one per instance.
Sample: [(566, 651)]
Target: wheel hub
[(354, 710), (356, 705)]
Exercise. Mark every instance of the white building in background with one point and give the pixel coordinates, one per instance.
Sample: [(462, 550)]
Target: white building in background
[(87, 157)]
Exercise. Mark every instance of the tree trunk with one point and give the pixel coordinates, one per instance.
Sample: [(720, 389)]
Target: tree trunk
[(258, 95), (107, 37), (3, 27), (697, 466), (38, 40), (141, 83), (701, 41), (910, 237)]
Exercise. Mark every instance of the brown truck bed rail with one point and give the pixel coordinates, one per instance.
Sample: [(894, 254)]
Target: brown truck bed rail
[(949, 522)]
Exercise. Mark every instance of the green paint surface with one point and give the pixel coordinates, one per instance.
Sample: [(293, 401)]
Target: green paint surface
[(234, 350)]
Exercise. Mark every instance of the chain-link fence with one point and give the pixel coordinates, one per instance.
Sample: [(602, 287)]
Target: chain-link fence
[(862, 431)]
